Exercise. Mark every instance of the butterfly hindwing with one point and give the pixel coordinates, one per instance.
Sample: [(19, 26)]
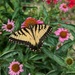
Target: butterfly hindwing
[(32, 36)]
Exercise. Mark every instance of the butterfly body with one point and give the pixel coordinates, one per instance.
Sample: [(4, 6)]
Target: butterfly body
[(32, 36)]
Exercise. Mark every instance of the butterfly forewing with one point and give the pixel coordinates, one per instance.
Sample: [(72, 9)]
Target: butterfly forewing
[(32, 36), (24, 37), (39, 35)]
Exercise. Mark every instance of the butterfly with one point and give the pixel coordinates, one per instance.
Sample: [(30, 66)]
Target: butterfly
[(32, 36)]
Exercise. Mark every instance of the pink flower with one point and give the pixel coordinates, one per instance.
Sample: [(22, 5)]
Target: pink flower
[(63, 34), (9, 26), (51, 1), (30, 21), (55, 1), (48, 1), (39, 22), (63, 7), (15, 68)]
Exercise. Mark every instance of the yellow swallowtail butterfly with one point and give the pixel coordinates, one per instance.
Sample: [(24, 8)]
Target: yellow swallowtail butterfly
[(31, 36)]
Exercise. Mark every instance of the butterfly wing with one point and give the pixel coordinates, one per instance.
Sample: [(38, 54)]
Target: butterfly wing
[(41, 32), (23, 36), (32, 36)]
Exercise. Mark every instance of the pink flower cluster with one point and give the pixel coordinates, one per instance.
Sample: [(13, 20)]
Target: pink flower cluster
[(71, 3), (9, 27)]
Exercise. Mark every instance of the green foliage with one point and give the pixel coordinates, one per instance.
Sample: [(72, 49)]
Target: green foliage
[(47, 61)]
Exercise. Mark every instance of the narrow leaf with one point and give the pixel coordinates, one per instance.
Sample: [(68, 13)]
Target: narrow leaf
[(53, 57)]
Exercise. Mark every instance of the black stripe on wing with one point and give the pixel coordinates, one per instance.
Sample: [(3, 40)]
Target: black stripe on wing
[(49, 30), (36, 47), (28, 44)]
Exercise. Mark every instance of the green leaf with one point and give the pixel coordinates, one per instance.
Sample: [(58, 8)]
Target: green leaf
[(52, 72), (6, 14), (69, 26), (15, 13), (64, 48), (10, 47), (52, 40), (8, 54), (45, 12), (71, 73), (0, 70), (53, 57), (27, 65), (20, 55), (10, 4), (36, 57), (39, 73), (73, 34)]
